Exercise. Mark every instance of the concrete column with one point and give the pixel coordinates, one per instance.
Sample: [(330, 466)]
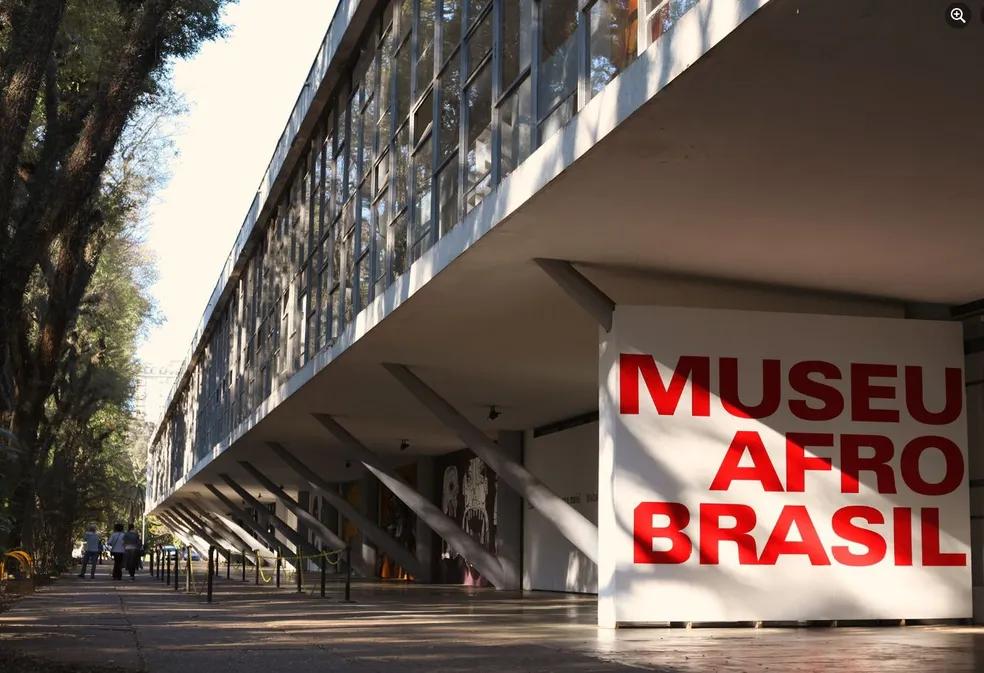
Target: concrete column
[(974, 380), (302, 515), (486, 563), (225, 541), (509, 515), (200, 532), (182, 530), (279, 524), (427, 542), (572, 524), (258, 530), (366, 525), (235, 541), (369, 497)]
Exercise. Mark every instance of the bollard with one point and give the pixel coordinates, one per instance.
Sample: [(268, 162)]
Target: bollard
[(243, 558), (160, 562), (177, 566), (151, 561), (211, 554), (167, 576), (256, 568), (188, 570), (299, 574), (348, 574), (228, 564), (278, 567), (324, 571)]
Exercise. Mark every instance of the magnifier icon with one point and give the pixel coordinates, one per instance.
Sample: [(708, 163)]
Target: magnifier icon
[(957, 14)]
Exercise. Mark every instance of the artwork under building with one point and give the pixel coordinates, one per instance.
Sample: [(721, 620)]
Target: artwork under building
[(469, 495)]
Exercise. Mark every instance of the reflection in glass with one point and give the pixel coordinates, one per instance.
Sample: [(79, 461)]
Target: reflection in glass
[(403, 82), (480, 44), (479, 139), (422, 199), (365, 283), (425, 49), (365, 217), (379, 228), (558, 54), (450, 27), (447, 188), (516, 125), (401, 195), (517, 27), (422, 118), (399, 227), (450, 102), (612, 46)]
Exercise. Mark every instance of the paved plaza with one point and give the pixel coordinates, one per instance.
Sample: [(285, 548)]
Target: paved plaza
[(145, 626)]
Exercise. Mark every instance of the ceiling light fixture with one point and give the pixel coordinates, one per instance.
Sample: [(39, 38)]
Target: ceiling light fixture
[(404, 445), (493, 413)]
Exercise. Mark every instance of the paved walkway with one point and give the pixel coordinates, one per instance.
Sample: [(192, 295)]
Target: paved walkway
[(395, 627)]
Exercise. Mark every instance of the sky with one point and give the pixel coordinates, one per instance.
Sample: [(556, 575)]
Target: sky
[(239, 93)]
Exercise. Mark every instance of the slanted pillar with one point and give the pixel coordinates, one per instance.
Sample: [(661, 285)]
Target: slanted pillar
[(427, 541), (181, 529), (231, 542), (201, 532), (302, 545), (595, 302), (234, 538), (369, 528), (473, 552), (258, 530), (358, 564), (572, 524)]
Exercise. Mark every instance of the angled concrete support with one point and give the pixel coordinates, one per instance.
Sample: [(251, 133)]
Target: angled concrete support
[(595, 302), (216, 525), (358, 564), (229, 542), (369, 528), (258, 531), (474, 553), (201, 532), (300, 544), (181, 530), (572, 524)]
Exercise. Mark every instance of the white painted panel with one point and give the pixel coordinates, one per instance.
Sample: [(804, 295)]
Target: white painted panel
[(567, 462)]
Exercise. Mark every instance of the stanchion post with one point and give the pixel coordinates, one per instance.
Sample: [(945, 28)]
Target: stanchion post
[(228, 564), (348, 574), (188, 571), (243, 558), (299, 574), (256, 568), (151, 561), (211, 554), (278, 567), (177, 567), (324, 572), (167, 577)]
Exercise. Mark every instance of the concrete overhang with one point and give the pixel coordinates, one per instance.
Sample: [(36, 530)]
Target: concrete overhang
[(831, 148)]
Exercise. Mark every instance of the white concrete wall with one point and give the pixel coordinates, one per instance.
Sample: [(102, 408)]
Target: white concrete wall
[(567, 462)]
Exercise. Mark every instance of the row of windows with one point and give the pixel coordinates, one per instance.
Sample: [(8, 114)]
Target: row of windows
[(443, 100)]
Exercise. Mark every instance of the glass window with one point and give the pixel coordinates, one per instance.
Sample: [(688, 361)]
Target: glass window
[(354, 146), (478, 99), (450, 103), (612, 45), (365, 217), (517, 44), (382, 172), (425, 48), (406, 17), (368, 140), (422, 118), (447, 189), (556, 119), (399, 234), (337, 261), (324, 312), (336, 312), (450, 27), (365, 283), (402, 93), (480, 44), (348, 248), (339, 197), (422, 198), (401, 196), (382, 217), (516, 128), (558, 53), (475, 7)]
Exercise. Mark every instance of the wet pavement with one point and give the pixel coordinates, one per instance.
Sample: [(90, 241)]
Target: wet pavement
[(397, 627)]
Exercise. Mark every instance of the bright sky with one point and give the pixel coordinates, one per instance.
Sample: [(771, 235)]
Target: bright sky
[(240, 92)]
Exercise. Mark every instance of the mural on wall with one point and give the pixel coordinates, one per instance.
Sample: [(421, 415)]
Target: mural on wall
[(469, 495), (400, 522)]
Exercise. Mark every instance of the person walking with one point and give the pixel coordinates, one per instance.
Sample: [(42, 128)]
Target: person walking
[(91, 549), (117, 548), (131, 550)]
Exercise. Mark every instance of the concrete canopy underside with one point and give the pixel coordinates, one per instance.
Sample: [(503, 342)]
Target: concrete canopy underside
[(831, 148)]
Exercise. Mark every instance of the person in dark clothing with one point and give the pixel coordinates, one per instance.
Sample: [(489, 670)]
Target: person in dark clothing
[(131, 550), (117, 549)]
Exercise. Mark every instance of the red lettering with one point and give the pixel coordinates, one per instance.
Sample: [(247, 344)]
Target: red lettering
[(771, 389), (931, 554), (665, 398), (644, 532), (712, 534), (779, 544), (800, 381), (798, 462), (902, 532), (863, 391), (953, 459), (762, 470), (915, 397), (852, 463), (845, 528)]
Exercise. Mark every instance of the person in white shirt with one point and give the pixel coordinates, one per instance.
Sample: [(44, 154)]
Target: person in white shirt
[(117, 548), (92, 547)]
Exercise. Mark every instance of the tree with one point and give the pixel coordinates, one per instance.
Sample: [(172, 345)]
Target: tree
[(73, 74)]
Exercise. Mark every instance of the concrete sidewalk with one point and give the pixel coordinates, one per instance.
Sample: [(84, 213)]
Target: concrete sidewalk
[(396, 627)]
